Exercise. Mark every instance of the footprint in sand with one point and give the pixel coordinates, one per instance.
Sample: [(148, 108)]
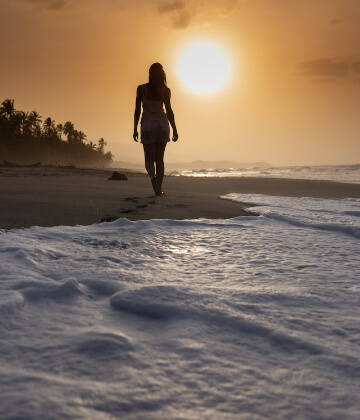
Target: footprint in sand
[(135, 200), (178, 206), (108, 219), (132, 199)]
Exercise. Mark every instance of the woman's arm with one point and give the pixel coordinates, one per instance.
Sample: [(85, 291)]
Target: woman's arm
[(170, 114), (137, 112)]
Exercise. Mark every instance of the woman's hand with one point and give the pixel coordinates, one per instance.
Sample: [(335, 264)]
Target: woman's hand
[(136, 136), (175, 136)]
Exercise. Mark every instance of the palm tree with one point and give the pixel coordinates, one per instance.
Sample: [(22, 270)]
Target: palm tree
[(17, 126), (69, 130), (49, 127), (59, 130), (108, 158), (7, 113), (7, 109), (75, 137), (35, 119), (92, 145), (23, 123), (81, 136), (101, 145)]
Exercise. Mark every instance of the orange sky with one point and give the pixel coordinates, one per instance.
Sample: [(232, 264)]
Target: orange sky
[(293, 97)]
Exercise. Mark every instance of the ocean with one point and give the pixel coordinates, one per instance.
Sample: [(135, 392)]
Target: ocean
[(249, 318), (338, 173)]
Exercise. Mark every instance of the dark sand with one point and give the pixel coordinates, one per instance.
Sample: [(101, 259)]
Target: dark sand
[(55, 196)]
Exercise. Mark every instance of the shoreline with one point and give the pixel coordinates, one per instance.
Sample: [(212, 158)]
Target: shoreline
[(74, 196)]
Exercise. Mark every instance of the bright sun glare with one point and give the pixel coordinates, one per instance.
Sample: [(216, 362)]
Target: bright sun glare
[(203, 68)]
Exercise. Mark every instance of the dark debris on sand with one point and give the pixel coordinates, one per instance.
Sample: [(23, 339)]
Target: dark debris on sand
[(118, 176)]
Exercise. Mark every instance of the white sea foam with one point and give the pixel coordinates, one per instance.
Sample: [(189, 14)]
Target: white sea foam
[(254, 317), (338, 173)]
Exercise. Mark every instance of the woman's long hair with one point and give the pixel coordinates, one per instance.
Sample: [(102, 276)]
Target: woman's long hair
[(157, 78)]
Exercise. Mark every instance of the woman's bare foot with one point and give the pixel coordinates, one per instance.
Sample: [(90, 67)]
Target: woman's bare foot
[(156, 188)]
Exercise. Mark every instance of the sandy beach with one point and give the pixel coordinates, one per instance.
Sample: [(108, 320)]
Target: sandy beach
[(71, 196)]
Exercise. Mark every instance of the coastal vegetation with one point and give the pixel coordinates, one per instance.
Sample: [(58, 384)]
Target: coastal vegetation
[(25, 137)]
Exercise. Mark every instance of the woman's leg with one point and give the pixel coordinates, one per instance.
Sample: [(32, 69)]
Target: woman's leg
[(150, 156), (159, 159)]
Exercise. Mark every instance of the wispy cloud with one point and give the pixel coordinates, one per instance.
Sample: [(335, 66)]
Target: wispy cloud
[(178, 11), (324, 67), (53, 5), (327, 70), (184, 13), (179, 14), (169, 7), (356, 66)]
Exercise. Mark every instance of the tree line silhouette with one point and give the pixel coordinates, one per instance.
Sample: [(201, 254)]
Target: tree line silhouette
[(25, 138)]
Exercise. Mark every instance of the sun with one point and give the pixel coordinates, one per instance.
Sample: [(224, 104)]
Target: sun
[(203, 67)]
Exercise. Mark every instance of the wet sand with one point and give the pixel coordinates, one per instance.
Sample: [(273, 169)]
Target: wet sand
[(71, 196)]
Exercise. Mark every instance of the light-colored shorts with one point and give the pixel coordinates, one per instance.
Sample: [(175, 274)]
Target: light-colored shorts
[(154, 130)]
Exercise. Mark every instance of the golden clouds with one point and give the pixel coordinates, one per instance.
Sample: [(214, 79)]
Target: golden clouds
[(182, 14), (326, 69), (52, 5), (178, 11), (356, 66)]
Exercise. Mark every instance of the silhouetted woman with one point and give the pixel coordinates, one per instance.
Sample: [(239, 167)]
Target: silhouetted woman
[(154, 127)]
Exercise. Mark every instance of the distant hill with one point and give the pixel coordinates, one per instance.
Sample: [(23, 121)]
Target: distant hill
[(196, 164)]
